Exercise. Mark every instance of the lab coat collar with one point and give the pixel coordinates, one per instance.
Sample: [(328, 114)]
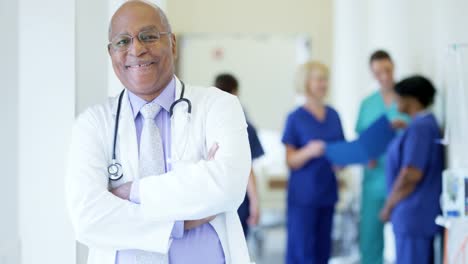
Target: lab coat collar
[(179, 123), (127, 138)]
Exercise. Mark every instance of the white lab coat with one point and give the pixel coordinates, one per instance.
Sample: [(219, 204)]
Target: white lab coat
[(194, 189)]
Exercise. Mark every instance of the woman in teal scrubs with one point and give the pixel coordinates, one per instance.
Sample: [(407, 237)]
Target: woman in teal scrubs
[(371, 234), (415, 161), (312, 186)]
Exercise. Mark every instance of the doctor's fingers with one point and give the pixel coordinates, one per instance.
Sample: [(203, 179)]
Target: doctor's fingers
[(213, 150), (123, 191)]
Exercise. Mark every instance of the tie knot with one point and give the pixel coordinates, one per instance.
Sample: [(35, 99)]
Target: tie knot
[(150, 110)]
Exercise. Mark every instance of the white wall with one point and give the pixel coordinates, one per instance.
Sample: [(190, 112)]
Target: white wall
[(450, 22), (405, 29), (349, 72), (46, 112), (264, 64), (92, 62), (310, 17), (9, 240), (91, 53)]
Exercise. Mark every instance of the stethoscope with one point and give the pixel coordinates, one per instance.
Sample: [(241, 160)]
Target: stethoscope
[(115, 168)]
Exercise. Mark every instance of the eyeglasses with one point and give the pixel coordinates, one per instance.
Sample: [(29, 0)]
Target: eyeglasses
[(122, 43)]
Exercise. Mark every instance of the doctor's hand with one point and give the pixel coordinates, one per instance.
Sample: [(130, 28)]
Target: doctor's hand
[(191, 224), (123, 191)]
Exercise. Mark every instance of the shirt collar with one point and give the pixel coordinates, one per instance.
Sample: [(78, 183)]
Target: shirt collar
[(165, 99)]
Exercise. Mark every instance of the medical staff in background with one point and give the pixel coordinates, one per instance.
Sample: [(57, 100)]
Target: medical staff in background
[(249, 211), (371, 229), (157, 173), (415, 161), (312, 186)]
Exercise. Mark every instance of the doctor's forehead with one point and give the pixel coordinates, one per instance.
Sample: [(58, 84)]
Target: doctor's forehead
[(134, 16)]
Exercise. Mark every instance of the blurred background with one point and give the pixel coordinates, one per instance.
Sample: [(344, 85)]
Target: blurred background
[(55, 64)]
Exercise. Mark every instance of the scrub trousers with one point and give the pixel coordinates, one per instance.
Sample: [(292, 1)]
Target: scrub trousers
[(412, 249), (244, 214), (309, 234), (371, 228)]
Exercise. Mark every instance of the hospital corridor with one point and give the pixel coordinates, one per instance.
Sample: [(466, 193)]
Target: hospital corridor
[(234, 132)]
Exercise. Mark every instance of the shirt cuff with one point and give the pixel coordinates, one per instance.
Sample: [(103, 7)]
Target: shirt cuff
[(178, 230), (135, 192)]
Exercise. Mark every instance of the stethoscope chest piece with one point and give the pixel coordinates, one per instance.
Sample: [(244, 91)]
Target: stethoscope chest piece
[(115, 171)]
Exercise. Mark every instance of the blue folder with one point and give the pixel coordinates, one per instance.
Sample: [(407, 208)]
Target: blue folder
[(371, 144)]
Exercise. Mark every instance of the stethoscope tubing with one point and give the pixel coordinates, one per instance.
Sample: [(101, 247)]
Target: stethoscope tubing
[(115, 168)]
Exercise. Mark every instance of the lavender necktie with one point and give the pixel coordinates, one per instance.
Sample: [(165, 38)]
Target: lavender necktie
[(151, 164)]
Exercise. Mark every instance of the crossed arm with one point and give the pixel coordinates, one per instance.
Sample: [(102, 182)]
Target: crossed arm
[(124, 192), (197, 189)]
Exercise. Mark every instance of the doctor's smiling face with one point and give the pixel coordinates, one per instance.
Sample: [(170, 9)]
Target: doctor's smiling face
[(142, 48)]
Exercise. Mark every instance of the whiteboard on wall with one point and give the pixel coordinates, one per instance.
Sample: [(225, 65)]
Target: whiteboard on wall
[(265, 66)]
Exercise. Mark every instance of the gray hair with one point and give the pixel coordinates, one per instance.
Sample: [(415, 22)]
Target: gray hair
[(162, 15)]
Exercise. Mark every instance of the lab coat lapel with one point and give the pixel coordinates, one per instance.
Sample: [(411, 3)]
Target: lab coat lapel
[(128, 147)]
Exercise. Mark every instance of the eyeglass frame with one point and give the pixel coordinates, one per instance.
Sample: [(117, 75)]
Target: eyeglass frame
[(111, 46)]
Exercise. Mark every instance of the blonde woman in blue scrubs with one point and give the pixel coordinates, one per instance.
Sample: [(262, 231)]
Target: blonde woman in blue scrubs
[(381, 102), (312, 187)]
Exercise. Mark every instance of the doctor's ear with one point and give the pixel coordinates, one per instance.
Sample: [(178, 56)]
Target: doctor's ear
[(109, 50), (174, 45)]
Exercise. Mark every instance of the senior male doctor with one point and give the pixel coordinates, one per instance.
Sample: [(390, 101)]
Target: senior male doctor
[(184, 176)]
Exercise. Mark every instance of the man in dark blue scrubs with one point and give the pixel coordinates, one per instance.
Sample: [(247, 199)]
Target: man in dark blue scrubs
[(249, 210)]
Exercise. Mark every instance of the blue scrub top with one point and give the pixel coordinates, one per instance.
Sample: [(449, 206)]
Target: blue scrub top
[(417, 147), (314, 183)]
